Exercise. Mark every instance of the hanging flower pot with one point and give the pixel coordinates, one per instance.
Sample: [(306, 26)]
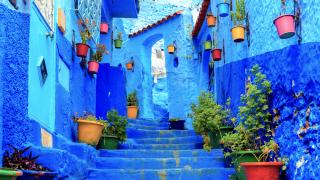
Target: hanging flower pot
[(104, 28), (207, 45), (195, 56), (93, 67), (171, 49), (118, 43), (285, 26), (82, 50), (262, 170), (216, 54), (238, 33), (223, 9), (129, 66), (211, 20)]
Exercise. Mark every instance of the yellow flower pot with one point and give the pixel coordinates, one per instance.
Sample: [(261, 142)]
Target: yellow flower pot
[(171, 49), (132, 112), (238, 33), (89, 132)]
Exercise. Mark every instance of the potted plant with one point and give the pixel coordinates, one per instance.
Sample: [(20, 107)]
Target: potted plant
[(96, 58), (285, 23), (216, 52), (211, 20), (209, 120), (266, 170), (171, 49), (129, 65), (254, 123), (25, 165), (176, 124), (82, 48), (89, 128), (114, 132), (104, 28), (118, 41), (207, 45), (238, 18), (9, 174), (223, 9), (132, 105)]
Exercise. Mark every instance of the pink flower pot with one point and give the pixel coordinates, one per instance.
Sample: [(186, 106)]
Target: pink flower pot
[(93, 67), (285, 26), (104, 28)]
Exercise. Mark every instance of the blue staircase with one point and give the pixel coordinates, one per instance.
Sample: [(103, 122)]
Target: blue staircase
[(152, 152)]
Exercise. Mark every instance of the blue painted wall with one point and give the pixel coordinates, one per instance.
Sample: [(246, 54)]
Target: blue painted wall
[(291, 68)]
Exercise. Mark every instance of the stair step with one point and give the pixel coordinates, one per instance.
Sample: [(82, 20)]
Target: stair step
[(148, 122), (136, 153), (174, 140), (159, 163), (146, 127), (167, 174), (140, 133), (162, 146)]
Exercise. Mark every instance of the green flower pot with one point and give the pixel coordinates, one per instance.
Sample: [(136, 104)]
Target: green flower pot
[(118, 43), (243, 156), (108, 142), (207, 45), (6, 174), (215, 137)]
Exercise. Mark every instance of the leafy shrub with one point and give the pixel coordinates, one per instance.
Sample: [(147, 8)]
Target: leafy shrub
[(116, 126), (132, 99)]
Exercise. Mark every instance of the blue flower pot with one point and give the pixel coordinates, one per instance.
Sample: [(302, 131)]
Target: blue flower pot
[(223, 9)]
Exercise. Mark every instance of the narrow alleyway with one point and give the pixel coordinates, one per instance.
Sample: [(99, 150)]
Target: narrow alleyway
[(152, 152)]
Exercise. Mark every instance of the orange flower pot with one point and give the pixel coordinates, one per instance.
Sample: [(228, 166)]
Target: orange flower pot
[(262, 170), (238, 33), (132, 112), (89, 132), (171, 49), (211, 20), (129, 66)]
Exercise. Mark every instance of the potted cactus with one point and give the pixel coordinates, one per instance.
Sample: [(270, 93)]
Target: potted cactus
[(223, 9), (132, 105), (118, 41), (285, 23), (104, 28), (24, 165), (89, 128), (82, 48), (176, 124), (114, 132), (171, 49), (96, 58), (238, 18), (211, 20)]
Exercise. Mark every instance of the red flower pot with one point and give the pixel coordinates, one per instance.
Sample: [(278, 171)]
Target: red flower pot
[(262, 170), (93, 67), (104, 28), (82, 50), (216, 54), (285, 26)]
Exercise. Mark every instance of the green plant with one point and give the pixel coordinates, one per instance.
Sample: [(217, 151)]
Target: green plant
[(132, 99), (101, 50), (116, 126), (84, 32), (208, 116), (88, 117), (174, 119), (19, 161), (119, 36), (239, 16)]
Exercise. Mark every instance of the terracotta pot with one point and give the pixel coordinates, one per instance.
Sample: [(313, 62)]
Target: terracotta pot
[(238, 33), (104, 28), (211, 20), (129, 66), (93, 67), (262, 170), (82, 50), (132, 112), (240, 157), (89, 132), (285, 26), (171, 49), (216, 54)]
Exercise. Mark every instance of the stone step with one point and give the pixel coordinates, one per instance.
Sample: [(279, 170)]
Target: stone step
[(147, 127), (175, 140), (162, 146), (148, 123), (140, 133), (138, 153), (167, 174)]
